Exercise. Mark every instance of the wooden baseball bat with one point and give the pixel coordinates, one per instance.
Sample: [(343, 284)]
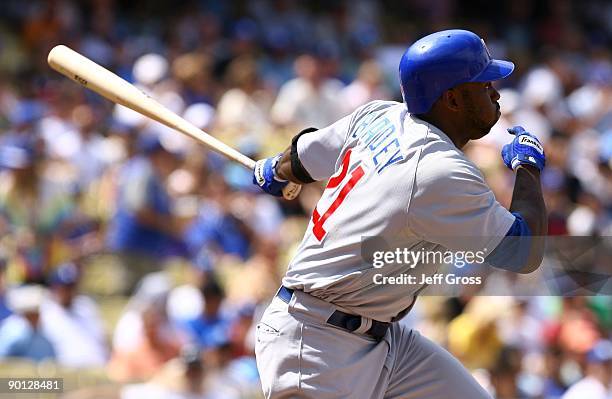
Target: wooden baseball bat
[(93, 76)]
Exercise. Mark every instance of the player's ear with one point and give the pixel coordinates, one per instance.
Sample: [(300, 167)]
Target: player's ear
[(450, 99)]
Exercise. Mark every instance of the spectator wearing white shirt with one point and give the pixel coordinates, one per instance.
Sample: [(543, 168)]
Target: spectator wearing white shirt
[(246, 105), (368, 86), (72, 322), (311, 99), (598, 375)]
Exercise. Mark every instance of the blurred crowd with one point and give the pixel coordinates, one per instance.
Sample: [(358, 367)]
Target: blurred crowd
[(99, 205)]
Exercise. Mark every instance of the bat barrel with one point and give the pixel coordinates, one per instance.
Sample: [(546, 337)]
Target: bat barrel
[(93, 76)]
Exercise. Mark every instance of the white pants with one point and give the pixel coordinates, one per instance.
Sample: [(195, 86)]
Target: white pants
[(299, 355)]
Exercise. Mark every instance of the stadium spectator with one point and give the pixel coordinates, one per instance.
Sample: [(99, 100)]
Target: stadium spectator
[(217, 229), (367, 87), (212, 325), (505, 372), (597, 375), (143, 230), (230, 377), (152, 350), (181, 378), (186, 301), (151, 289), (244, 108), (20, 334), (72, 321), (553, 384), (31, 207), (5, 311), (310, 99), (473, 336)]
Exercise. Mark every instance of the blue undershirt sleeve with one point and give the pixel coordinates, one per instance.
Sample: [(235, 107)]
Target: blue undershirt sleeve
[(513, 251)]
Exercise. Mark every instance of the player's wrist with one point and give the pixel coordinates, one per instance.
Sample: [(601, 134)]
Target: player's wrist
[(276, 161), (530, 160), (264, 175), (531, 169)]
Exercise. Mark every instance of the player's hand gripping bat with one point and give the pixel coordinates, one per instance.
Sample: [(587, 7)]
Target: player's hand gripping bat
[(93, 76)]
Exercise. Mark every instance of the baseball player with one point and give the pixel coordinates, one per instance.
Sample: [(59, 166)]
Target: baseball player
[(395, 170)]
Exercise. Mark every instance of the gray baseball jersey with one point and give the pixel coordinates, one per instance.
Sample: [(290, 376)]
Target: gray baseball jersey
[(395, 176)]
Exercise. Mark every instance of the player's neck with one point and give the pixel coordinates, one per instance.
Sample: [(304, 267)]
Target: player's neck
[(450, 127)]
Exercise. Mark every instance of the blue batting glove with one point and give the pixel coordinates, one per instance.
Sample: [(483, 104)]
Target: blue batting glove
[(525, 149), (264, 175)]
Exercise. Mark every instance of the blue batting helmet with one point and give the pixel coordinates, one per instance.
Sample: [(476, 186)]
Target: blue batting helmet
[(443, 60)]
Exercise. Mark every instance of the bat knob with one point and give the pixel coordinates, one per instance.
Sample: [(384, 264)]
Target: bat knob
[(291, 191)]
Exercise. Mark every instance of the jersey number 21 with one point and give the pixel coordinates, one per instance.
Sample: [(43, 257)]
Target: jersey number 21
[(318, 229)]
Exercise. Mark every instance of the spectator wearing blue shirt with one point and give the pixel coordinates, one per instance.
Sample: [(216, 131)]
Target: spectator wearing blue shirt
[(20, 333), (216, 228), (143, 230), (553, 384), (211, 327), (4, 309)]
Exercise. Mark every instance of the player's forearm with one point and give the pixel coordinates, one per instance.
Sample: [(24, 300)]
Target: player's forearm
[(283, 169), (528, 200)]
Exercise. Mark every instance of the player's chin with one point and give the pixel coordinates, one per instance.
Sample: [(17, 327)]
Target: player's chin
[(488, 121), (481, 133), (483, 130), (493, 119)]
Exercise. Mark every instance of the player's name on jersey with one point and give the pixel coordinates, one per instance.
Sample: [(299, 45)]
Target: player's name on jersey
[(426, 279)]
